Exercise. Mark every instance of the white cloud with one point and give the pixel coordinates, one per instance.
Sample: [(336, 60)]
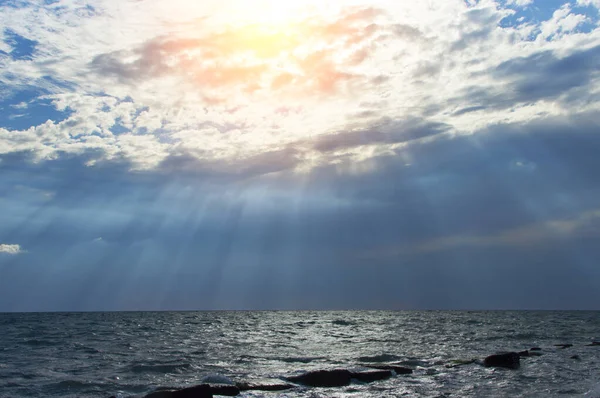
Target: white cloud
[(595, 3), (188, 80), (10, 249), (519, 3)]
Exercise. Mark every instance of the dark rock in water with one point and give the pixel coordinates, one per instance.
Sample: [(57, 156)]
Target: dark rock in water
[(264, 385), (535, 354), (368, 376), (575, 357), (535, 349), (341, 322), (200, 391), (563, 346), (510, 360), (323, 378), (401, 370), (224, 389), (523, 353), (593, 344)]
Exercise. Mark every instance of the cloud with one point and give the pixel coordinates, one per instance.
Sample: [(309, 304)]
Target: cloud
[(10, 249), (384, 132), (520, 3), (185, 88), (586, 225), (595, 3)]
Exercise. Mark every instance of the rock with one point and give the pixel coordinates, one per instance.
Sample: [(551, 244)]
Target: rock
[(264, 385), (510, 360), (323, 378), (593, 344), (200, 391), (575, 357), (400, 370), (563, 346), (224, 389), (523, 353), (368, 376), (535, 349), (535, 354)]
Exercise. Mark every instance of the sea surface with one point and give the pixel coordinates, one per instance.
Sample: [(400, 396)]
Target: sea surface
[(134, 353)]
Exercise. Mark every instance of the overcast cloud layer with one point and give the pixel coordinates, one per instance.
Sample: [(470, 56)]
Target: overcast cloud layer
[(235, 154)]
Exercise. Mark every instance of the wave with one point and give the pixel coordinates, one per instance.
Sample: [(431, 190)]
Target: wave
[(379, 358), (74, 385), (594, 392), (299, 359), (40, 343)]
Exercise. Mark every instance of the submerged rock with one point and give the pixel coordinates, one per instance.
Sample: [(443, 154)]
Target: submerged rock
[(368, 376), (264, 385), (523, 353), (460, 362), (379, 358), (509, 360), (576, 357), (535, 349), (593, 344), (323, 378)]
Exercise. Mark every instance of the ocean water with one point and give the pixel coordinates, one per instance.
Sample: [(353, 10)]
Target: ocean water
[(131, 354)]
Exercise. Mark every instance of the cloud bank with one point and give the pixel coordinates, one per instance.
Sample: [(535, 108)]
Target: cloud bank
[(356, 154), (201, 84)]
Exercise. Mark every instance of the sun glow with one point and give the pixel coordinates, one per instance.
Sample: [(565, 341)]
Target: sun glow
[(278, 14)]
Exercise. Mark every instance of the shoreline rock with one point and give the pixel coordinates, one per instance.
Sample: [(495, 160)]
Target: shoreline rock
[(323, 378), (509, 360), (371, 375)]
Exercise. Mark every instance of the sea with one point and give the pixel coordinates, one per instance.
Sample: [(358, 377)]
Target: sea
[(130, 354)]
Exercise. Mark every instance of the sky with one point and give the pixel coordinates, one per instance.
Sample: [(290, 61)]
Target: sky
[(383, 154)]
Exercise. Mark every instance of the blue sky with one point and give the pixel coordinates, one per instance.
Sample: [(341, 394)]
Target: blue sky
[(256, 155)]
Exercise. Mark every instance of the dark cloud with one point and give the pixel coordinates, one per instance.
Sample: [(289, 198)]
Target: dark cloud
[(251, 232), (547, 75), (541, 76), (384, 132), (235, 169)]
